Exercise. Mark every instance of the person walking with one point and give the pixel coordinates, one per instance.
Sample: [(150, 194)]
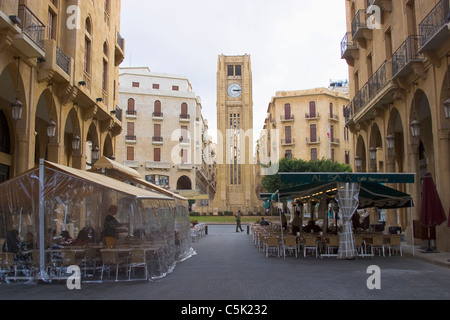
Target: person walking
[(238, 222)]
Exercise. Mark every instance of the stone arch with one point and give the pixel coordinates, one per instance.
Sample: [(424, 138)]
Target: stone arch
[(72, 128), (11, 87), (421, 111), (45, 111), (184, 183), (361, 151), (395, 128)]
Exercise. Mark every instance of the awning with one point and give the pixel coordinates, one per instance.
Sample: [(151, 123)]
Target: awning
[(372, 193), (105, 163), (324, 177)]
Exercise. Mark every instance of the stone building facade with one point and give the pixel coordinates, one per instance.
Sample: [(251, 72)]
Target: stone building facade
[(165, 136), (398, 56), (310, 125), (58, 82)]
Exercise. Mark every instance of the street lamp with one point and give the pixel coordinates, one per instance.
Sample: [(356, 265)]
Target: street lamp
[(390, 142), (76, 142), (373, 153), (358, 161), (51, 129), (447, 108), (95, 153), (415, 128), (17, 108)]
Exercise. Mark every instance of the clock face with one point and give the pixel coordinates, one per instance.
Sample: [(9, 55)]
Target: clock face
[(234, 90)]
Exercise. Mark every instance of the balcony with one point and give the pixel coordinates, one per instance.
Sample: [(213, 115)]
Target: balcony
[(184, 141), (157, 141), (360, 30), (315, 141), (335, 141), (386, 5), (57, 66), (407, 58), (434, 29), (158, 116), (349, 49), (131, 163), (185, 118), (288, 118), (312, 116), (333, 117), (287, 142), (31, 41), (131, 114), (153, 165), (119, 50), (130, 139), (378, 91)]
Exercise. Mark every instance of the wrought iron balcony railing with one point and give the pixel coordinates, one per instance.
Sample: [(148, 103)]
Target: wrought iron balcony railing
[(31, 25), (434, 22), (359, 23), (347, 44), (62, 60), (406, 54)]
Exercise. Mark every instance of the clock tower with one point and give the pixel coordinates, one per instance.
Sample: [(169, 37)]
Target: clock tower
[(234, 153)]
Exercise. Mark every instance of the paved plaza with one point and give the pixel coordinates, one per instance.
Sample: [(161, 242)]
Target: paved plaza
[(227, 266)]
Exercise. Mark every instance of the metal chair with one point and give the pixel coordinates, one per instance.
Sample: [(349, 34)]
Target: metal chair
[(395, 244), (272, 244), (290, 243), (378, 245), (110, 259), (310, 244), (137, 260)]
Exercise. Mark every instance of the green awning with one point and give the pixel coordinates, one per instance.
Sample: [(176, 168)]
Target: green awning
[(324, 177), (371, 194)]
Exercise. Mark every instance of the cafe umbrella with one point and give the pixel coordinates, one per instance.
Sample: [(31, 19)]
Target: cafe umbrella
[(431, 211)]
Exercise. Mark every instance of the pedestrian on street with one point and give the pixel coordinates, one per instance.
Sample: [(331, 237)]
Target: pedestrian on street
[(238, 222)]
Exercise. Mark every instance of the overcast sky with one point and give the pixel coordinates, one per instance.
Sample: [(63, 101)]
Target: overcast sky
[(294, 44)]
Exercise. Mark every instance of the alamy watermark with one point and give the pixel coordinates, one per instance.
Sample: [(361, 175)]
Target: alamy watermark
[(374, 281)]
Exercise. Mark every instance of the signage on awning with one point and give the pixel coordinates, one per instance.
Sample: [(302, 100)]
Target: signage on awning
[(308, 177)]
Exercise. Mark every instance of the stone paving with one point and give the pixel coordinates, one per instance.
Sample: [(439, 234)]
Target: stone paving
[(229, 267)]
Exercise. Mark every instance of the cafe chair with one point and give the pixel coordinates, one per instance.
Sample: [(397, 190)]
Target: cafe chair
[(395, 244), (111, 259), (378, 245), (290, 243), (360, 245), (137, 259), (332, 244), (272, 244), (310, 244)]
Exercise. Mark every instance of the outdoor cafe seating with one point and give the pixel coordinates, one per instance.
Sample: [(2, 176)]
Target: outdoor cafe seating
[(271, 239)]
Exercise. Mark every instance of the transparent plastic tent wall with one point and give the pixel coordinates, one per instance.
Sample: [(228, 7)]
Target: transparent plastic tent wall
[(161, 226)]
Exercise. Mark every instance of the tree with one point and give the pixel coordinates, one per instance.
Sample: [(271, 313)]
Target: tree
[(273, 183)]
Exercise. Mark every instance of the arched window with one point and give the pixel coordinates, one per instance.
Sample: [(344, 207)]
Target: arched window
[(131, 107), (157, 110), (184, 110)]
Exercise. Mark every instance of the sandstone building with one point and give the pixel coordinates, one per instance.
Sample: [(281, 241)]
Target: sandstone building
[(398, 57), (165, 136), (58, 82)]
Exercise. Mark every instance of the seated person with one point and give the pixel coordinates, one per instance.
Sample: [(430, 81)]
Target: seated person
[(312, 227), (264, 222), (86, 236)]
